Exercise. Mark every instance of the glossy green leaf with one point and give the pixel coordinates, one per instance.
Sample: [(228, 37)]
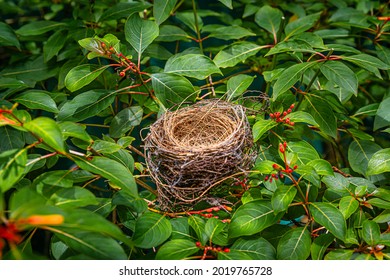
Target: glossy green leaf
[(105, 147), (341, 75), (379, 162), (382, 117), (230, 33), (258, 248), (111, 170), (180, 228), (171, 33), (301, 25), (123, 10), (38, 27), (11, 138), (12, 164), (198, 225), (237, 85), (371, 232), (367, 62), (136, 204), (339, 254), (140, 33), (213, 227), (289, 77), (188, 19), (321, 166), (76, 130), (8, 36), (330, 217), (264, 166), (269, 18), (151, 229), (162, 9), (383, 217), (348, 205), (304, 151), (294, 245), (34, 99), (282, 197), (93, 244), (86, 105), (236, 53), (261, 127), (191, 65), (323, 115), (83, 75), (302, 117), (73, 198), (320, 246), (124, 157), (227, 3), (380, 203), (177, 249), (125, 120), (53, 45), (172, 89), (252, 218), (49, 131), (359, 154)]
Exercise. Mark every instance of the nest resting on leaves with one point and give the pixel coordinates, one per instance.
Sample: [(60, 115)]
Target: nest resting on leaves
[(191, 150)]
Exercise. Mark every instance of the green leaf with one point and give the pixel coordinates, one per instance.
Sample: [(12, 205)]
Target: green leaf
[(371, 232), (213, 227), (111, 170), (302, 117), (151, 230), (86, 105), (198, 225), (359, 154), (301, 25), (289, 77), (321, 166), (11, 138), (304, 151), (76, 130), (379, 162), (320, 245), (269, 18), (330, 217), (140, 33), (339, 254), (123, 10), (348, 205), (125, 120), (105, 147), (34, 99), (282, 197), (162, 9), (71, 198), (12, 164), (172, 89), (323, 115), (380, 203), (53, 45), (177, 249), (48, 130), (236, 53), (237, 85), (95, 245), (137, 204), (188, 19), (264, 166), (171, 33), (294, 245), (191, 65), (180, 228), (8, 36), (257, 249), (367, 62), (261, 127), (383, 217), (38, 27), (227, 3), (382, 117), (230, 32), (83, 75), (252, 218), (341, 75)]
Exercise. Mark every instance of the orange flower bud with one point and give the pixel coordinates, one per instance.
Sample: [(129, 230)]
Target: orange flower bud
[(37, 220)]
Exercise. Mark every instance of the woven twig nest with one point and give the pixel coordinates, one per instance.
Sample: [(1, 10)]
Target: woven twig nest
[(188, 151)]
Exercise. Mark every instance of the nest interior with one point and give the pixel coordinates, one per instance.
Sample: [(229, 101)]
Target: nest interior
[(189, 150)]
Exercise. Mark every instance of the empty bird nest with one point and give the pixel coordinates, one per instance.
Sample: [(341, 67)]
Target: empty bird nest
[(191, 150)]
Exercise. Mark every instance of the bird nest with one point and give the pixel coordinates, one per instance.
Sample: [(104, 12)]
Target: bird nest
[(191, 150)]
